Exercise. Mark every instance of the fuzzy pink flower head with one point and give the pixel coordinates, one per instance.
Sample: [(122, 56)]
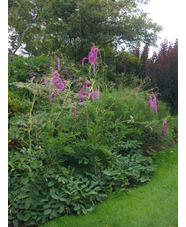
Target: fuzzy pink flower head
[(52, 71), (93, 55), (51, 96), (95, 95), (80, 96), (155, 105), (83, 61), (64, 82), (61, 85), (164, 128), (57, 74), (85, 85), (87, 96)]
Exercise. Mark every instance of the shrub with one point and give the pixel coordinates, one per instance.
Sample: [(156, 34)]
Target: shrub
[(17, 109)]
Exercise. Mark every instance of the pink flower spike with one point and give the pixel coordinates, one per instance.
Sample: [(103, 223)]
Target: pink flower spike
[(155, 105), (58, 64), (95, 95), (87, 96), (60, 82), (57, 74), (80, 96), (75, 111), (92, 56), (51, 96), (85, 85), (164, 128), (63, 82), (83, 61), (52, 71), (61, 88)]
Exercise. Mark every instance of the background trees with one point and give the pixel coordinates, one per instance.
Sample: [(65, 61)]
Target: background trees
[(70, 26)]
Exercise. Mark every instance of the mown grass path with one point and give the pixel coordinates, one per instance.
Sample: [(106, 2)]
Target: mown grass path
[(154, 204)]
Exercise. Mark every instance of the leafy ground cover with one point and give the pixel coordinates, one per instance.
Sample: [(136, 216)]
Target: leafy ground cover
[(152, 204)]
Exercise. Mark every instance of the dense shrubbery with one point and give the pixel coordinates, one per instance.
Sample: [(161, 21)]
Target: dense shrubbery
[(78, 140)]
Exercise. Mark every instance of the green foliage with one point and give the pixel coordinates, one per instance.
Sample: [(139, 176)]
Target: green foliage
[(66, 164), (23, 68), (121, 66), (39, 193), (17, 109)]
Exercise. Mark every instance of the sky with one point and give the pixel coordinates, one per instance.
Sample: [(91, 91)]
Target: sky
[(165, 13)]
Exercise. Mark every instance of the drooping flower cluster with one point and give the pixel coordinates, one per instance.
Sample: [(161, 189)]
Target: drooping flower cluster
[(51, 96), (153, 103), (92, 56), (56, 81), (91, 92)]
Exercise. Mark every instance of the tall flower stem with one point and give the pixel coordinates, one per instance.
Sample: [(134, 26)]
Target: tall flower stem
[(30, 120)]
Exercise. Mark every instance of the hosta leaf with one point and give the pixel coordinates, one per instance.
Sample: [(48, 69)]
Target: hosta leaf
[(15, 223), (76, 197), (84, 210), (51, 183), (47, 212), (26, 217), (22, 196), (20, 216), (27, 203), (69, 149), (46, 206), (61, 209), (25, 180)]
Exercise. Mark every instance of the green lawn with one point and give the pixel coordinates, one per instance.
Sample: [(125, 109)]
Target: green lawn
[(154, 204)]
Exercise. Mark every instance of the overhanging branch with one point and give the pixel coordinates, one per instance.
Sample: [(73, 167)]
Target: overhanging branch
[(22, 37)]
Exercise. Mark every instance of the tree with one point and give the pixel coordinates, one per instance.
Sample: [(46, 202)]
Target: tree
[(72, 25)]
